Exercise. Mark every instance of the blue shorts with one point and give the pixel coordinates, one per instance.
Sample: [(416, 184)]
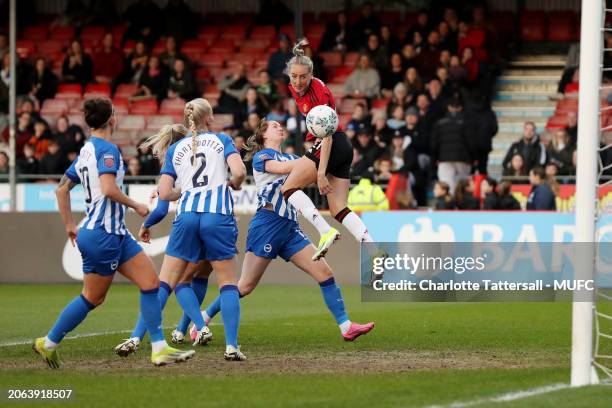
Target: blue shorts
[(271, 235), (104, 253), (196, 236)]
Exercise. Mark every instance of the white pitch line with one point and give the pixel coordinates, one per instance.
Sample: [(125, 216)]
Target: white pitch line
[(79, 336), (510, 396)]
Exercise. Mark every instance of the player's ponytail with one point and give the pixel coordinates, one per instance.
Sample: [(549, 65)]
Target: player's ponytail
[(197, 114), (256, 141), (299, 57), (162, 140)]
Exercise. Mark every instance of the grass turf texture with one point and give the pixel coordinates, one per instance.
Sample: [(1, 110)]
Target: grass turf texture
[(419, 354)]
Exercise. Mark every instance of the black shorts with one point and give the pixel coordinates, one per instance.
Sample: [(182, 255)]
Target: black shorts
[(340, 157)]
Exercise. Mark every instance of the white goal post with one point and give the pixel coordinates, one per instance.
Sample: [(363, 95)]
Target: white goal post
[(589, 128)]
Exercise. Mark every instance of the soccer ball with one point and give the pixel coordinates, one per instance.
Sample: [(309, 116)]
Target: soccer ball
[(322, 121)]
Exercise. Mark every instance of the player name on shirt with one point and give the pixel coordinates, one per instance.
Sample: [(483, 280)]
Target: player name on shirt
[(186, 150)]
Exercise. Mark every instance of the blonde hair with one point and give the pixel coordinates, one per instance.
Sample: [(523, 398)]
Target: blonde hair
[(163, 139), (256, 141), (195, 115), (299, 58)]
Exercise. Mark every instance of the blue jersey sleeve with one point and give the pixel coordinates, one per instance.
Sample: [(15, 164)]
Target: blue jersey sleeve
[(168, 163), (158, 213), (109, 159), (71, 173), (259, 160), (228, 144)]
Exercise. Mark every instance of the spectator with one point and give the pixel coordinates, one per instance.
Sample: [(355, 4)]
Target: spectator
[(338, 35), (43, 82), (418, 43), (388, 40), (392, 76), (605, 155), (429, 56), (379, 54), (233, 90), (413, 83), (470, 64), (488, 189), (444, 199), (381, 130), (413, 130), (451, 147), (266, 89), (437, 101), (572, 128), (4, 163), (396, 121), (464, 195), (445, 58), (77, 67), (149, 165), (107, 61), (426, 117), (53, 161), (251, 104), (448, 39), (291, 121), (530, 147), (364, 81), (289, 149), (154, 80), (506, 199), (239, 144), (40, 139), (574, 86), (28, 105), (400, 98), (278, 59), (396, 151), (70, 137), (170, 54), (517, 166), (457, 72), (367, 151), (181, 83), (551, 170), (249, 126), (23, 133), (367, 196), (277, 113), (133, 168), (541, 196), (360, 117), (367, 24), (136, 64), (4, 45), (448, 87), (483, 123), (559, 152), (28, 164), (421, 26), (409, 55)]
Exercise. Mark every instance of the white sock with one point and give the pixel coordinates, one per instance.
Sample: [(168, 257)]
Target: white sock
[(158, 346), (206, 317), (304, 205), (345, 326), (353, 223), (50, 345)]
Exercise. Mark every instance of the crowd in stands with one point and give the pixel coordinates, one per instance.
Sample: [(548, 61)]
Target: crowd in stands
[(414, 98)]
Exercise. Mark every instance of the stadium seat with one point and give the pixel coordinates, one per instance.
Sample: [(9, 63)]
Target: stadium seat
[(561, 30), (263, 32), (64, 34), (340, 74), (70, 89), (36, 33), (533, 26), (104, 89), (131, 122), (128, 46), (315, 30), (380, 103), (172, 106), (155, 122), (233, 32), (209, 32), (92, 34), (222, 121), (126, 90), (337, 90), (144, 107), (331, 59), (118, 32), (50, 48), (212, 60), (25, 48), (54, 107)]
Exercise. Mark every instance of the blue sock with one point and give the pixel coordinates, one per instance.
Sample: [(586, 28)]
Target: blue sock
[(164, 292), (199, 286), (72, 315), (151, 313), (189, 302), (230, 312), (214, 307), (333, 299)]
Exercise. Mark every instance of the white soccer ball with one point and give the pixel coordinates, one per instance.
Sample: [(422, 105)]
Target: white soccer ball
[(322, 121)]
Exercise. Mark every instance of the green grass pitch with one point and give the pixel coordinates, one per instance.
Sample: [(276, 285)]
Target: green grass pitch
[(419, 354)]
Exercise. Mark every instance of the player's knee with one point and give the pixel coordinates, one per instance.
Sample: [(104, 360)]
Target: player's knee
[(245, 289), (95, 299), (150, 283), (326, 271)]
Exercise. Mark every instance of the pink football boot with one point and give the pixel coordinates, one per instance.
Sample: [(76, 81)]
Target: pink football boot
[(357, 330)]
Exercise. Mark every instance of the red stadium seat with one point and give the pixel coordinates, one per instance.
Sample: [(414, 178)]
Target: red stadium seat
[(131, 122), (62, 34), (25, 48), (104, 89), (122, 101), (222, 121), (331, 59), (380, 103), (315, 30), (561, 30), (233, 32), (128, 46), (556, 122), (144, 107), (92, 34), (36, 33), (172, 106), (155, 122), (126, 90), (70, 89), (209, 32), (263, 32), (340, 74), (118, 32), (54, 106), (211, 60), (50, 47), (533, 26)]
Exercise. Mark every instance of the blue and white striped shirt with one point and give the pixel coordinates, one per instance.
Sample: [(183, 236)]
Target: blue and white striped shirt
[(269, 184), (98, 157), (203, 184)]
